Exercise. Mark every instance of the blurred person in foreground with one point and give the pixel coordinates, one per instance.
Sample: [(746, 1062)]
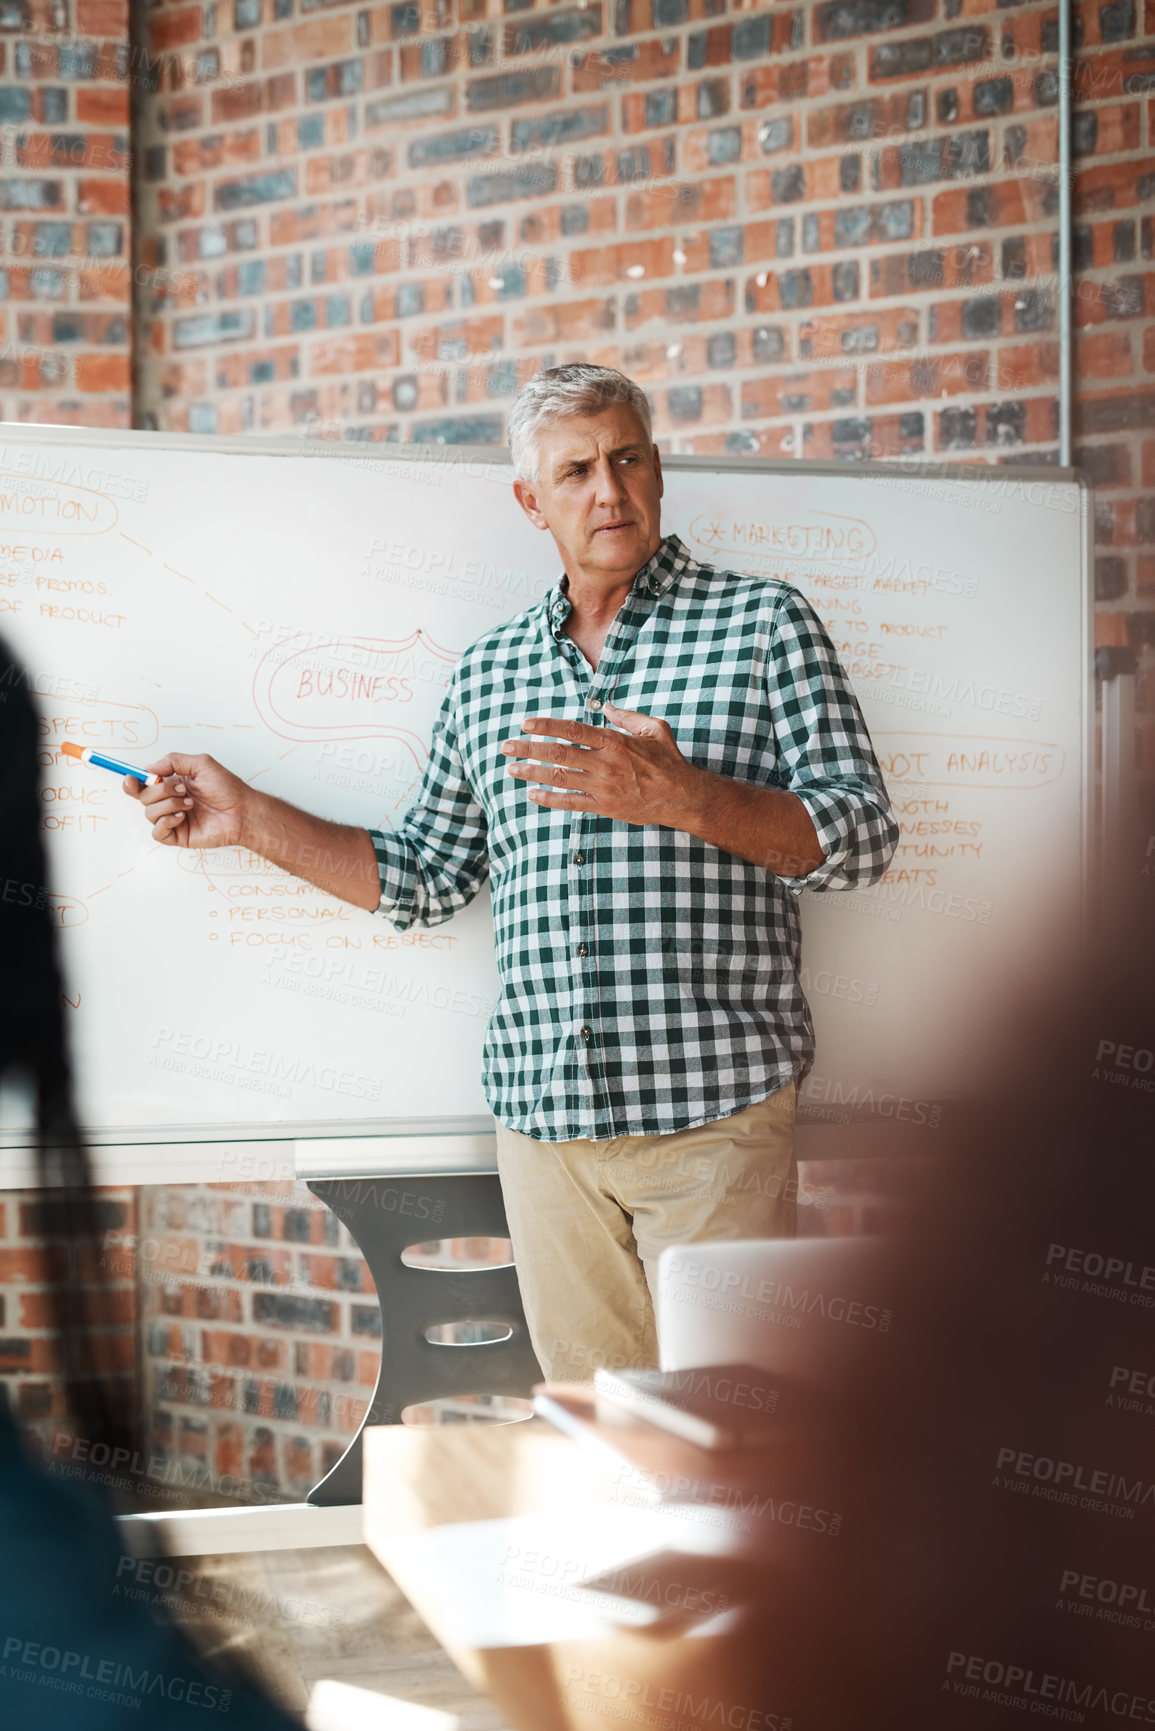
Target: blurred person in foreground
[(75, 1651), (996, 1561)]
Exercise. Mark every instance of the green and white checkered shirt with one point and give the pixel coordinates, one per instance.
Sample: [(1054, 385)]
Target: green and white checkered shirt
[(649, 979)]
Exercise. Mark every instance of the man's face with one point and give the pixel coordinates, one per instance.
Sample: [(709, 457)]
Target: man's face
[(598, 491)]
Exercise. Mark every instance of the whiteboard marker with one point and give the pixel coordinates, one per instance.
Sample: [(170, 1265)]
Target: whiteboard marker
[(99, 760)]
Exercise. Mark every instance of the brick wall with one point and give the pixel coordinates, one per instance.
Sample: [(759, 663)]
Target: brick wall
[(28, 1360), (66, 284), (261, 1338), (817, 230)]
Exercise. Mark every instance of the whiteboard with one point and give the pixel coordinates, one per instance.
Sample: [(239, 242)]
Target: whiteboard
[(296, 610)]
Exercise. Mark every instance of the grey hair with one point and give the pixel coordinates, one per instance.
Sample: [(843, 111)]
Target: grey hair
[(577, 389)]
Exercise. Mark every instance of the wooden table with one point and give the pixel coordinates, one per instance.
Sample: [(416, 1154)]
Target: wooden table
[(666, 1676)]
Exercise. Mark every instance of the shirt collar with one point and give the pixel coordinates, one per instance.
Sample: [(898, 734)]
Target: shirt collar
[(660, 572)]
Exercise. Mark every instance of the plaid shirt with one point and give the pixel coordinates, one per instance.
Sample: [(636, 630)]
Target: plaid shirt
[(649, 979)]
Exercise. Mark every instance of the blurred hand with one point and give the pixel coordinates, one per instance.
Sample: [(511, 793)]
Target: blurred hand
[(198, 803)]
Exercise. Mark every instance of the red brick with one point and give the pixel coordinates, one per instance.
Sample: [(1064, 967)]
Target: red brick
[(613, 264), (682, 201), (1001, 204), (178, 28), (791, 81), (656, 58), (1098, 77), (1027, 366), (238, 101), (324, 38), (932, 376), (1104, 356), (102, 18), (1112, 185), (195, 155), (788, 393), (862, 332), (97, 106), (105, 196)]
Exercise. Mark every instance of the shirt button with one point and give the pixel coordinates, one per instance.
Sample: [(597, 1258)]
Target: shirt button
[(593, 703), (579, 859), (583, 950), (586, 1032)]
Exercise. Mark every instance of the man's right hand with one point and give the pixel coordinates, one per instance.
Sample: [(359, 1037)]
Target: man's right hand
[(200, 803), (197, 803)]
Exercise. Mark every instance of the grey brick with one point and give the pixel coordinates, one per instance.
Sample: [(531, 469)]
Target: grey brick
[(844, 18), (15, 104), (507, 89), (1006, 423), (1034, 310), (751, 38), (713, 98), (1117, 21), (588, 171), (724, 145), (205, 328), (981, 317), (682, 300), (961, 47), (545, 30), (77, 60), (721, 349), (633, 164), (667, 13), (562, 124), (1124, 298), (464, 430), (994, 96), (255, 189), (796, 288), (726, 247), (661, 107), (957, 429), (1111, 570), (52, 239), (774, 135), (788, 184), (685, 402), (454, 146), (413, 105), (287, 1310), (365, 1319), (30, 194), (105, 239), (526, 181), (844, 280)]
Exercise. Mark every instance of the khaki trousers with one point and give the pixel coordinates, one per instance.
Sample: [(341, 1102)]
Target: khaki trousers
[(588, 1221)]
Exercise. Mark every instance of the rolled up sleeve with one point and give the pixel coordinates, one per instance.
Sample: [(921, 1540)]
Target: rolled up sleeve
[(433, 865), (825, 755)]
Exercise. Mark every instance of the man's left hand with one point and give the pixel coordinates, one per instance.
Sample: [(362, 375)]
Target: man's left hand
[(636, 776)]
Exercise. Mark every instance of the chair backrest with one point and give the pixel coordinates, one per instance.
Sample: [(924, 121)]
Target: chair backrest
[(811, 1308)]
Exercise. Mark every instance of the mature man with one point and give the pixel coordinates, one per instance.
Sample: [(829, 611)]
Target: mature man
[(649, 766)]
